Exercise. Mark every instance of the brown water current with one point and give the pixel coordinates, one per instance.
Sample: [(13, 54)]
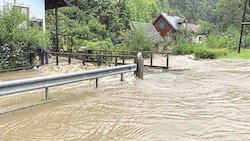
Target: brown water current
[(195, 100)]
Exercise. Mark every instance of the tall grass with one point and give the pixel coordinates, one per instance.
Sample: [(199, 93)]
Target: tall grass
[(244, 54)]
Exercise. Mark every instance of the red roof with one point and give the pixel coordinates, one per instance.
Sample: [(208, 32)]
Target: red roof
[(193, 27)]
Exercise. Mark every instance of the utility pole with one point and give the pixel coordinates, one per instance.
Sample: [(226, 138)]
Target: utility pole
[(242, 25)]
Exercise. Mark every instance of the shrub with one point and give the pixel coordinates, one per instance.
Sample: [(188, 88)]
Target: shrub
[(137, 39), (204, 52), (183, 48), (100, 45)]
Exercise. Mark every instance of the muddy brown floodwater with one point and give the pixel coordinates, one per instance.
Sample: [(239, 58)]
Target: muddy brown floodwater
[(194, 100)]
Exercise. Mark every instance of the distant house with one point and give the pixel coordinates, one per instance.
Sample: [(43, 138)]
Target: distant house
[(149, 28), (168, 23), (35, 9), (194, 28)]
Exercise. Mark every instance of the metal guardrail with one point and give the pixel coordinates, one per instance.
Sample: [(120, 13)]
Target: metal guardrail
[(16, 86)]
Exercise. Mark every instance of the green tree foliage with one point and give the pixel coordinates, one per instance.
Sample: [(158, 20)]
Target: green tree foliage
[(143, 11), (106, 45), (206, 28), (137, 39), (16, 32), (182, 46), (195, 10), (163, 5), (230, 13), (98, 20), (16, 35)]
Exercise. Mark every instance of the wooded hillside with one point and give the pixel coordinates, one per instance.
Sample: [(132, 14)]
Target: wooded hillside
[(95, 20)]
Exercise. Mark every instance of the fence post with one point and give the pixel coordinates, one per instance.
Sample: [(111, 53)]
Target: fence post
[(123, 60), (98, 60), (83, 58), (46, 58), (140, 65), (57, 59), (30, 58), (69, 58), (42, 57), (151, 59), (116, 61), (167, 61)]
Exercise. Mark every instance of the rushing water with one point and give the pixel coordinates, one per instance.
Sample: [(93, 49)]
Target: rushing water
[(209, 100)]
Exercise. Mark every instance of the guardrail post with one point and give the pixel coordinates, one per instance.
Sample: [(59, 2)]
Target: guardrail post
[(96, 82), (122, 77), (140, 65), (46, 93)]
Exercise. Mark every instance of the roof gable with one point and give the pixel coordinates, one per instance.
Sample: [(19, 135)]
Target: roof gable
[(174, 21), (150, 28)]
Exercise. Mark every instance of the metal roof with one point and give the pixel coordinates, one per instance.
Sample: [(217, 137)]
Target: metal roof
[(150, 28), (173, 20), (193, 27), (51, 4)]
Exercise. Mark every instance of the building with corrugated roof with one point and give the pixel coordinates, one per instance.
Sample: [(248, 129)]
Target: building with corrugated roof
[(168, 23)]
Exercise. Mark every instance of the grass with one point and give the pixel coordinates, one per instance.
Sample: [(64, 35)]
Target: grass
[(244, 54)]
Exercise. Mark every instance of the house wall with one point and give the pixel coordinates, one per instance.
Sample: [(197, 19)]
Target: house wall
[(36, 8), (167, 27)]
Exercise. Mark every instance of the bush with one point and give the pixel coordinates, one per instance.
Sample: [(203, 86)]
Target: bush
[(228, 39), (204, 53), (183, 46), (183, 49), (137, 39), (100, 45)]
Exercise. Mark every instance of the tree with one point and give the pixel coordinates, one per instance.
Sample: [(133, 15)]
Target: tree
[(230, 13), (15, 28), (16, 34), (137, 39)]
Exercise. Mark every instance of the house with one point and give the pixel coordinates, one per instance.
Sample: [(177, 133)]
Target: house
[(35, 9), (149, 28), (168, 23), (194, 28)]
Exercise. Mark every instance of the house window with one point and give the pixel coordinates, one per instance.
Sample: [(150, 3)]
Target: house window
[(161, 25), (24, 10)]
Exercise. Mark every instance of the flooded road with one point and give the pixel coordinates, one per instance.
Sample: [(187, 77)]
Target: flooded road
[(196, 100)]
